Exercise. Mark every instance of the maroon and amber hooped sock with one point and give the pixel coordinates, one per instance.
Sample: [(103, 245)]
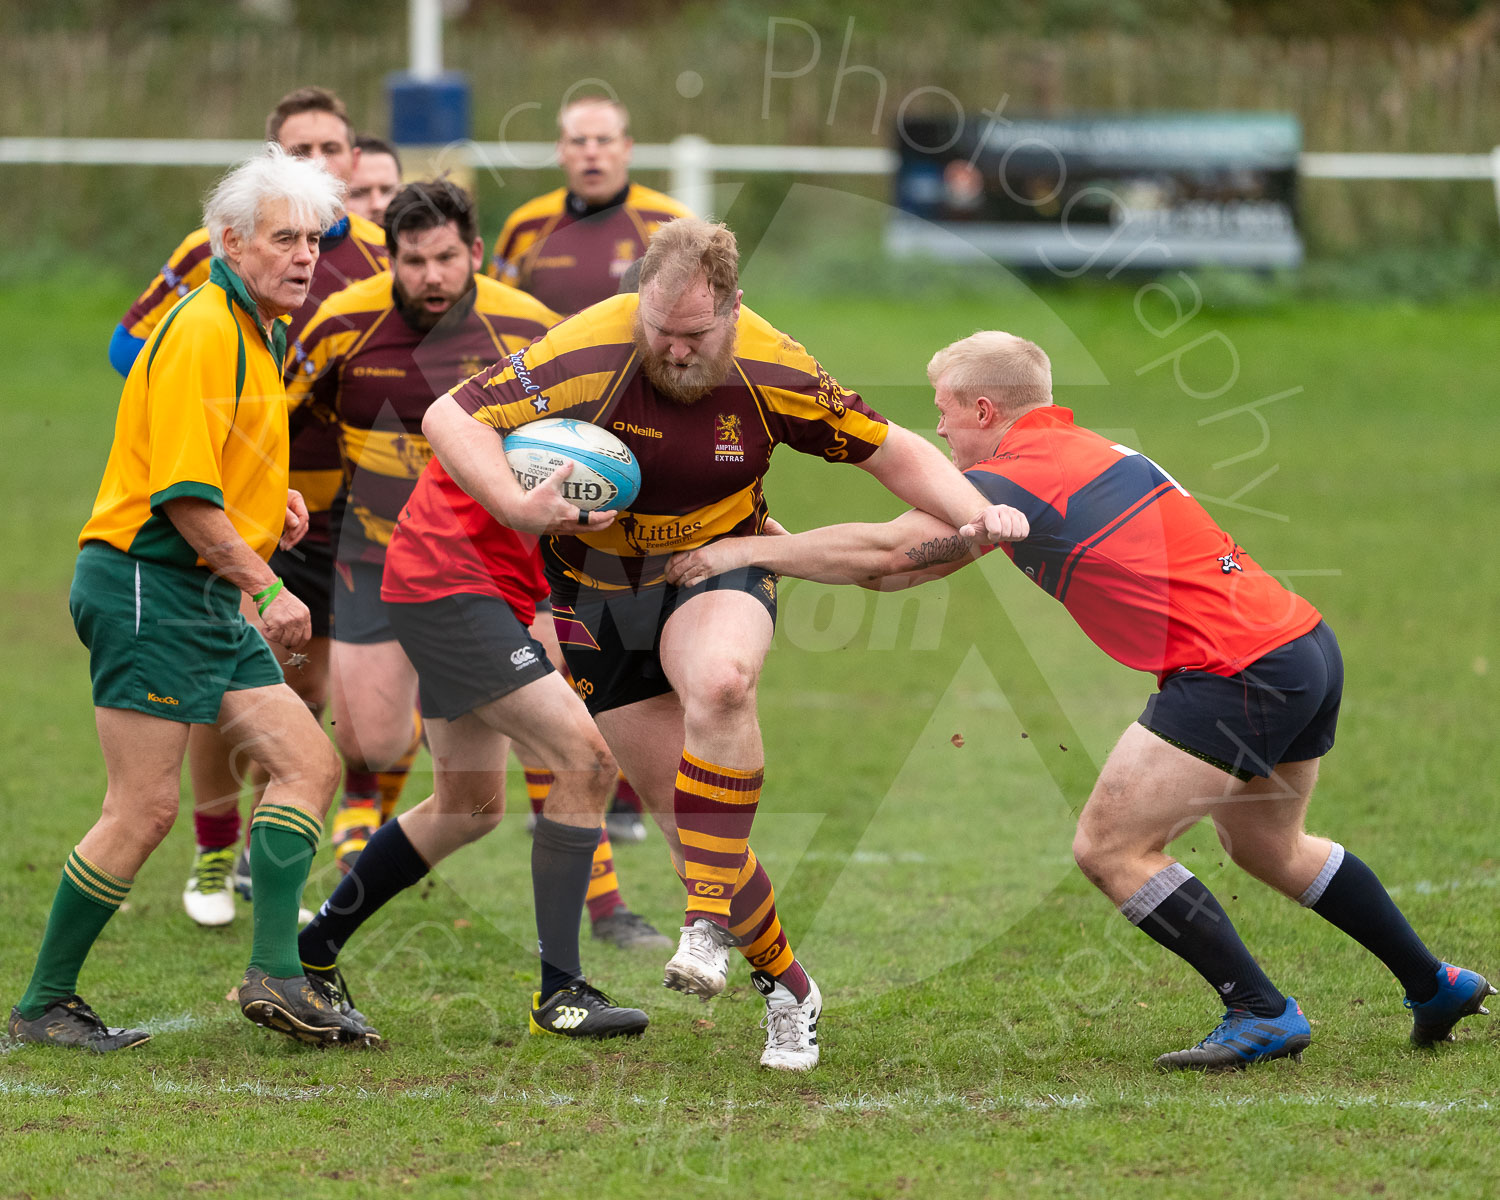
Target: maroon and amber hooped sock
[(715, 807), (604, 885), (388, 783), (538, 784), (753, 919)]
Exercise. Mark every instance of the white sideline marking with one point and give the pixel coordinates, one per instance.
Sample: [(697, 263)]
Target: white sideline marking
[(847, 1102), (1439, 887), (878, 858), (175, 1024)]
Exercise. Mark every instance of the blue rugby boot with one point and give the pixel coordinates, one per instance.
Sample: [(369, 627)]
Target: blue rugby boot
[(1460, 994), (1243, 1038)]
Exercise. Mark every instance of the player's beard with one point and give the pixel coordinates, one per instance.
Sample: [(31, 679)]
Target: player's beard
[(684, 385), (420, 319)]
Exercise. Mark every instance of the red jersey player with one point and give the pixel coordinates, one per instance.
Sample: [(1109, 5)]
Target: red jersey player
[(1249, 677)]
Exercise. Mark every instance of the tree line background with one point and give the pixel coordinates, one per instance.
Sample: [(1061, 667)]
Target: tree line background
[(1367, 75)]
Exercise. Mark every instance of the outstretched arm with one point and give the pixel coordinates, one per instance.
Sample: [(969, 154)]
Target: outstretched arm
[(915, 547), (918, 472)]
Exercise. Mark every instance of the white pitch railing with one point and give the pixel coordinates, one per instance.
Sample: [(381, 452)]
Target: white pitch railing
[(691, 160)]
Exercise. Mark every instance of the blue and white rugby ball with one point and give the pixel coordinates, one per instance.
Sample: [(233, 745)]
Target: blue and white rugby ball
[(605, 473)]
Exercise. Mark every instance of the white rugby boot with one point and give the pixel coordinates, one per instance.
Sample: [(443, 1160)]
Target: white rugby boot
[(701, 965), (207, 897), (791, 1025)]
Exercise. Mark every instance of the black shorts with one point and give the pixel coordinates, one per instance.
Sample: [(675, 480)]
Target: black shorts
[(307, 572), (1283, 707), (468, 650), (611, 639), (359, 614)]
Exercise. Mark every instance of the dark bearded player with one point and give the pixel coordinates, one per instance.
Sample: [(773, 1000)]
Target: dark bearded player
[(701, 390), (372, 359), (1250, 681)]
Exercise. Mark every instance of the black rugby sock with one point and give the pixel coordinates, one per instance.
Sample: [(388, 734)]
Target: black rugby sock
[(1348, 895), (387, 865), (1179, 912), (562, 859)]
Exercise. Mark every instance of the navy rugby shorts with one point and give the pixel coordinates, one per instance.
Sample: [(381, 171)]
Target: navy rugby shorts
[(1283, 707)]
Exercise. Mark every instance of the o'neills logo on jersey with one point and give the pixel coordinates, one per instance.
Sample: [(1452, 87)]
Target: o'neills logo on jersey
[(638, 430), (729, 445)]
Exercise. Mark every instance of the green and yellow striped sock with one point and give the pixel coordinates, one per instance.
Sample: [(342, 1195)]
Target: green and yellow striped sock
[(282, 842), (86, 899)]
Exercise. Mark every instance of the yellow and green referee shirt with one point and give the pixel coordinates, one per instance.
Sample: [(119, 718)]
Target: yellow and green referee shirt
[(203, 414)]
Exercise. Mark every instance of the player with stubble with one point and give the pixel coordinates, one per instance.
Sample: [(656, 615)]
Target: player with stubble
[(701, 390), (376, 178), (1250, 680)]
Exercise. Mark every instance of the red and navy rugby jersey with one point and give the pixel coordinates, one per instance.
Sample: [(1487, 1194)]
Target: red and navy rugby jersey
[(446, 544), (1137, 562)]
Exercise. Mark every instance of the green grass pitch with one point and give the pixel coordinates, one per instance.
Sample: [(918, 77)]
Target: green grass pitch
[(990, 1021)]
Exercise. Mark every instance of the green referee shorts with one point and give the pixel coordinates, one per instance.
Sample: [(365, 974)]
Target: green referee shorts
[(164, 640)]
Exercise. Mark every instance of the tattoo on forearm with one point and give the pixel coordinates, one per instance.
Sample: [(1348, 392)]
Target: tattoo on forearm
[(938, 550)]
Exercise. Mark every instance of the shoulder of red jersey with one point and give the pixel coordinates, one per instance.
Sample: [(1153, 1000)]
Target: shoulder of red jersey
[(496, 299), (651, 203)]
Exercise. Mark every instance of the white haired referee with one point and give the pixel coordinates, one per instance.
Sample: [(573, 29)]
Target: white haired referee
[(193, 501)]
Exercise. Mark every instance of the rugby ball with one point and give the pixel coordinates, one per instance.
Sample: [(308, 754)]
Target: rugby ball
[(605, 473)]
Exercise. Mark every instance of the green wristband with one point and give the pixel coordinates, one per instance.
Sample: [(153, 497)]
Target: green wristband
[(264, 598)]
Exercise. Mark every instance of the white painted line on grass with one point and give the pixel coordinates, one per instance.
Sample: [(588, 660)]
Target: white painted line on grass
[(1440, 887), (175, 1024), (864, 1101)]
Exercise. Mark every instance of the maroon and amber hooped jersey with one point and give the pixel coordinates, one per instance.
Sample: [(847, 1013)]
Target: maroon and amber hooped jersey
[(362, 368), (701, 464), (1137, 562), (570, 256), (346, 258)]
